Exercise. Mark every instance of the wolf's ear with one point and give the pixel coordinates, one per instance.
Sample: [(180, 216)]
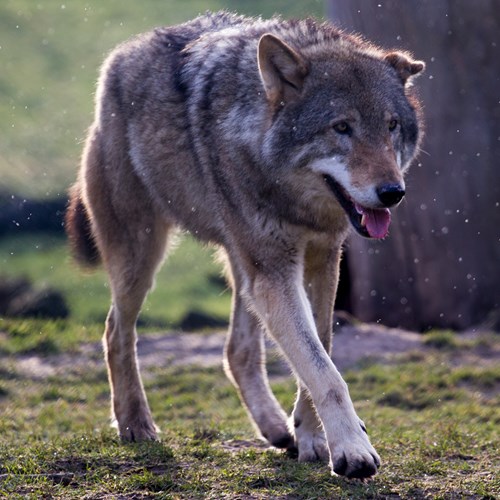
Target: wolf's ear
[(404, 65), (282, 70)]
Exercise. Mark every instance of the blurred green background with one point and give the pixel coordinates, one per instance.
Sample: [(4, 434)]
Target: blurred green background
[(50, 53)]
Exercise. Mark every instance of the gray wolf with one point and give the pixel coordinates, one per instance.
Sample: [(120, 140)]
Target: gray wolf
[(270, 139)]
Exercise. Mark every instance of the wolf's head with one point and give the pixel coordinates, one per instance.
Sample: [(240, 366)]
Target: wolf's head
[(345, 111)]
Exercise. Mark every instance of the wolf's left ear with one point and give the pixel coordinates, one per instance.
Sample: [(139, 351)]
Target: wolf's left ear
[(405, 67), (282, 70)]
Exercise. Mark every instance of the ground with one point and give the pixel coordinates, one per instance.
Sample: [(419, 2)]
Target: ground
[(430, 403), (354, 343)]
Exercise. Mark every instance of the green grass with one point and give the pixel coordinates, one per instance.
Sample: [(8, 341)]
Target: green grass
[(51, 52), (189, 280), (55, 440), (440, 339)]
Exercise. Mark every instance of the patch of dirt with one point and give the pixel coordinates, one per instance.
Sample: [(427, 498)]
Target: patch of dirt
[(352, 344), (236, 445)]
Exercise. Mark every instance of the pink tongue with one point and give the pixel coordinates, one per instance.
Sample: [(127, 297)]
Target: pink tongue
[(376, 220)]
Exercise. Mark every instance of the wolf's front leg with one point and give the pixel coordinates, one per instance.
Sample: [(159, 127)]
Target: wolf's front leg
[(309, 435), (321, 271), (282, 303)]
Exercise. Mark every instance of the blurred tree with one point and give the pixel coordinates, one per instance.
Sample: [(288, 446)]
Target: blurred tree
[(440, 267)]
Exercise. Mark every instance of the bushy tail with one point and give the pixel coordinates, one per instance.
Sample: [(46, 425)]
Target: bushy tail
[(79, 230)]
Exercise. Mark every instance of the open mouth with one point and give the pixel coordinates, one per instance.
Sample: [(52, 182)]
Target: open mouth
[(368, 222)]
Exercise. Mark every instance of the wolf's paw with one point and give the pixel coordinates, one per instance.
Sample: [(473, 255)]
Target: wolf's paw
[(138, 431), (279, 437), (354, 456), (273, 427), (312, 445)]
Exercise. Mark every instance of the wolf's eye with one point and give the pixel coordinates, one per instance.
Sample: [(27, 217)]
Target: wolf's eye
[(342, 128), (392, 125)]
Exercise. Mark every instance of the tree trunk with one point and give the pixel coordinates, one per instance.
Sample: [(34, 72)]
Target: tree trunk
[(440, 266)]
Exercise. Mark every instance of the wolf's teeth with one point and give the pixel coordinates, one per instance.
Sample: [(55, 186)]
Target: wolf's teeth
[(363, 220)]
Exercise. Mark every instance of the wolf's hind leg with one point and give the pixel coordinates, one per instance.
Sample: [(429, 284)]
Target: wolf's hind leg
[(244, 362), (130, 235), (131, 269)]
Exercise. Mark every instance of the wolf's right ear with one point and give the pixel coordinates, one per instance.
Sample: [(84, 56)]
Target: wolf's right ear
[(282, 70), (404, 65)]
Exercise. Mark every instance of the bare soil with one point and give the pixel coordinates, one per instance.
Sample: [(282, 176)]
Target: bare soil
[(353, 344)]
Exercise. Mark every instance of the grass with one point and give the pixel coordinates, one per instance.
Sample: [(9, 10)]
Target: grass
[(441, 339), (434, 424), (189, 280)]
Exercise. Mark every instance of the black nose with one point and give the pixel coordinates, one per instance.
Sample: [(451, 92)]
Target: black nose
[(390, 194)]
